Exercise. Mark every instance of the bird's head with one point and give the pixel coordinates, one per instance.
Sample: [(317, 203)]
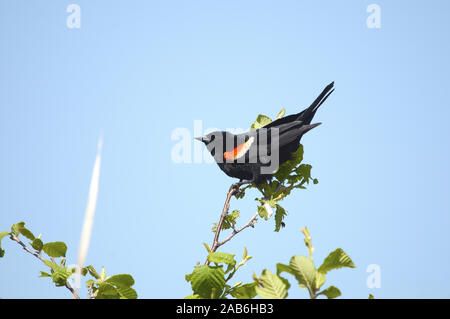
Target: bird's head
[(217, 142)]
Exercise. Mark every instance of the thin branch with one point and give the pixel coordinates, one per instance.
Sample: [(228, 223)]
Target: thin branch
[(216, 243), (233, 189), (38, 256), (250, 222)]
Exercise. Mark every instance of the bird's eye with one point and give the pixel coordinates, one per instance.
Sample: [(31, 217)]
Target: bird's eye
[(213, 137)]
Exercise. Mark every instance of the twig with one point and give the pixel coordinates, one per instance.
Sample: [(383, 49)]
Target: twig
[(233, 189), (216, 243), (38, 256), (250, 222)]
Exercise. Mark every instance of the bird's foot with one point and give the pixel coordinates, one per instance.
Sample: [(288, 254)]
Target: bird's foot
[(240, 183), (236, 186)]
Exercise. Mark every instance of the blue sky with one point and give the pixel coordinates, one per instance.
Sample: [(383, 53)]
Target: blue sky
[(136, 70)]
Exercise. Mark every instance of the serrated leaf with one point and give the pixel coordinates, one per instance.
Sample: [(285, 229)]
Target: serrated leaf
[(246, 291), (272, 286), (220, 257), (335, 260), (262, 212), (55, 249), (331, 292), (207, 281), (280, 213), (304, 170), (304, 271)]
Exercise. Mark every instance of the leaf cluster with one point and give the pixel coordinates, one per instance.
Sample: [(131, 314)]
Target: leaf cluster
[(53, 255)]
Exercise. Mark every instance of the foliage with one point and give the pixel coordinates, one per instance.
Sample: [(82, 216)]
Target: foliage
[(213, 282), (99, 286)]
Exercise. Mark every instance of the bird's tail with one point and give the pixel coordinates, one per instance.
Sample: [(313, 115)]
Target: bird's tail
[(307, 115)]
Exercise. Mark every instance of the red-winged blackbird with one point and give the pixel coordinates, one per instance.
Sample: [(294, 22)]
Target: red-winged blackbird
[(256, 155)]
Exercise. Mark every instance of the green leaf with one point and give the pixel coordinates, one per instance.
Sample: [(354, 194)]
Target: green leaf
[(37, 244), (107, 291), (262, 212), (284, 268), (220, 257), (304, 170), (192, 297), (272, 286), (244, 255), (230, 219), (45, 274), (93, 272), (60, 276), (207, 247), (288, 167), (281, 114), (319, 280), (19, 228), (127, 292), (336, 259), (304, 271), (371, 296), (280, 213), (246, 291), (55, 249), (54, 266), (331, 292), (308, 241), (3, 234), (207, 281), (125, 280), (261, 121)]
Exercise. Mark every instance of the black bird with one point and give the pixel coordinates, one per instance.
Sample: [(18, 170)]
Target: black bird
[(255, 156)]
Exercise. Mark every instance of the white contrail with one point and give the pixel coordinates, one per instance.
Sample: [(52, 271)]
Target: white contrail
[(89, 216)]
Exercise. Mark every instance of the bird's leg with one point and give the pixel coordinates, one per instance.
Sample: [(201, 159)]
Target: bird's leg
[(241, 182), (237, 185)]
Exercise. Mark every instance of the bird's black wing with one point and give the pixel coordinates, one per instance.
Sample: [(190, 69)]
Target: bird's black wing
[(307, 114)]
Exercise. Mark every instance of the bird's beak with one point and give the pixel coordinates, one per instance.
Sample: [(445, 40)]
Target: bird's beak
[(200, 138)]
